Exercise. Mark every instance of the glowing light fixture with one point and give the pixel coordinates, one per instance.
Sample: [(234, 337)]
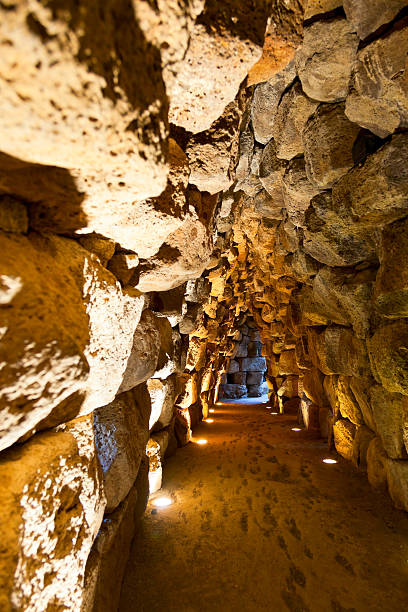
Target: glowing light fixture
[(218, 404), (202, 442), (296, 429), (162, 502), (208, 420), (329, 461), (274, 412), (211, 410)]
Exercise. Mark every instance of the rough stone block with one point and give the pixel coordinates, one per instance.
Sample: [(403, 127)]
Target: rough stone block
[(325, 60), (377, 465), (254, 378), (336, 350), (80, 325), (233, 366), (231, 391), (287, 363), (253, 364), (378, 99), (344, 433), (367, 18), (293, 112), (328, 139), (239, 378), (390, 292), (254, 390), (397, 479), (121, 434), (51, 496), (390, 412), (266, 100), (163, 394), (388, 356), (254, 349)]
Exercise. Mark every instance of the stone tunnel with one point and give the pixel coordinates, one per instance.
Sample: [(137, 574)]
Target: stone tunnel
[(204, 302)]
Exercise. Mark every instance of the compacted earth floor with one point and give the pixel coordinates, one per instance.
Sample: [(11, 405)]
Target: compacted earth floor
[(259, 522)]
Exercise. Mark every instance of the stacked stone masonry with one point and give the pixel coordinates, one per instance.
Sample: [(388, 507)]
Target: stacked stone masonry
[(245, 374), (141, 227)]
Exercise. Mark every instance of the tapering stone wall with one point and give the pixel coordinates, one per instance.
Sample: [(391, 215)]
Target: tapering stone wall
[(152, 202)]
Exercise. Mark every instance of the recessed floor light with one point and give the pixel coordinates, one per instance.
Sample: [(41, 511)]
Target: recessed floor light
[(162, 502), (274, 412), (211, 410), (201, 442), (208, 420), (296, 429), (329, 461)]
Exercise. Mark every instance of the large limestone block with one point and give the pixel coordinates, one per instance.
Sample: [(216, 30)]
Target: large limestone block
[(368, 17), (163, 394), (142, 361), (231, 391), (328, 139), (189, 390), (106, 564), (360, 388), (390, 412), (377, 460), (76, 114), (336, 350), (182, 427), (348, 405), (223, 46), (186, 251), (312, 386), (287, 363), (378, 99), (211, 154), (391, 286), (397, 479), (388, 353), (67, 333), (121, 434), (376, 192), (253, 364), (196, 354), (266, 100), (298, 191), (331, 237), (361, 443), (52, 505), (271, 171), (292, 115), (344, 433), (325, 60), (345, 297)]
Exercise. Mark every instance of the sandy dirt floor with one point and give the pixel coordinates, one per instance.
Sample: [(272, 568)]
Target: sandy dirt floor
[(259, 522)]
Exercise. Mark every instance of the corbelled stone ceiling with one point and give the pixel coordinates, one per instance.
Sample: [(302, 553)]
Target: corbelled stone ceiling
[(181, 180)]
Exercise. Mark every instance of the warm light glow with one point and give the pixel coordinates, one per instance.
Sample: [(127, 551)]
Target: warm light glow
[(329, 461), (208, 420), (211, 410), (274, 412), (296, 429), (162, 502), (218, 404), (201, 441)]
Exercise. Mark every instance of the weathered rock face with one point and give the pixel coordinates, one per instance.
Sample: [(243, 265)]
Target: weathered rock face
[(261, 245), (80, 326), (52, 506), (325, 60), (121, 433)]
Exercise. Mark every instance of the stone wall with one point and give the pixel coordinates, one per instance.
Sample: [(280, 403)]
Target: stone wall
[(245, 375), (153, 201)]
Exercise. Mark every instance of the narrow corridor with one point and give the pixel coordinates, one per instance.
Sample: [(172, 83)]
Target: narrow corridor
[(259, 522)]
